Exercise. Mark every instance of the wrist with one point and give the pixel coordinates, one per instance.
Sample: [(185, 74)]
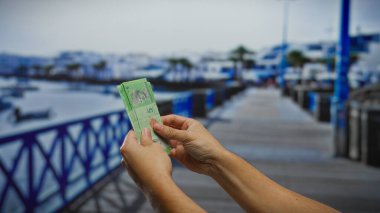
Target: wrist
[(157, 182), (161, 191), (218, 164), (160, 179), (166, 196)]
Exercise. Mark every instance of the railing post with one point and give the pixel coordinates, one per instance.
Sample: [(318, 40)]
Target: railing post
[(86, 127), (62, 182), (106, 125), (31, 201)]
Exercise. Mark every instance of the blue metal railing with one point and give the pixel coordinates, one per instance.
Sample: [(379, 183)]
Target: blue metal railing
[(182, 105), (44, 169), (210, 99), (312, 96), (182, 102)]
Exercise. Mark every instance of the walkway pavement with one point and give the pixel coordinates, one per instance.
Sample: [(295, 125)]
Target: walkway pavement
[(279, 139)]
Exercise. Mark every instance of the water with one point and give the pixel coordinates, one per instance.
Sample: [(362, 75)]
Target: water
[(67, 104), (64, 104)]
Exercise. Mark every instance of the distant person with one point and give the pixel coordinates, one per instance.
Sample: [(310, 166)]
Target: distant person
[(193, 146), (17, 114)]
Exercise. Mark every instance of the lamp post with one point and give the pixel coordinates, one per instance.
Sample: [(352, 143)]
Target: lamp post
[(341, 87), (283, 62)]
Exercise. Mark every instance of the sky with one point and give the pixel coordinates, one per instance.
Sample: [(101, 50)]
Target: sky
[(46, 27)]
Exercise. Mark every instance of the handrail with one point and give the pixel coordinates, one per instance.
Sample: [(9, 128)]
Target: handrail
[(42, 170)]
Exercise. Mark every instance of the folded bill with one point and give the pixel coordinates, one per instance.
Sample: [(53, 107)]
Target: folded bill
[(140, 104)]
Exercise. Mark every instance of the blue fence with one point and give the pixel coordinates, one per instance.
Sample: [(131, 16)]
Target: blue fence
[(42, 170), (312, 101), (210, 99), (182, 102)]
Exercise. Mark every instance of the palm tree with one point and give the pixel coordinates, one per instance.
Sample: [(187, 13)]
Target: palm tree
[(241, 52), (187, 65), (249, 63), (239, 55), (21, 70), (184, 62), (37, 68), (22, 74), (47, 69), (100, 67), (172, 63), (296, 59), (72, 68)]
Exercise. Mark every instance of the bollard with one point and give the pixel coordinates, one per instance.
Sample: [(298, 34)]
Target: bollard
[(354, 131), (203, 102), (165, 107), (319, 105), (219, 96), (370, 137)]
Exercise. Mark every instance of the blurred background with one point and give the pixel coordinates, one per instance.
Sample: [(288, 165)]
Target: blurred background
[(292, 86)]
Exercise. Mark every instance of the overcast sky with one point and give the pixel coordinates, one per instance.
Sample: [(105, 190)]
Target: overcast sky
[(45, 27)]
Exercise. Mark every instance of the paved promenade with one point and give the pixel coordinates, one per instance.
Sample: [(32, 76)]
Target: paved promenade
[(279, 139)]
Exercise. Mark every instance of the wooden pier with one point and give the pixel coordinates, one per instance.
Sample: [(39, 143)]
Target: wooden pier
[(279, 139)]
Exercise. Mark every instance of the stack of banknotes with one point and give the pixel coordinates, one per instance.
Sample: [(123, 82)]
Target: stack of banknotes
[(140, 104)]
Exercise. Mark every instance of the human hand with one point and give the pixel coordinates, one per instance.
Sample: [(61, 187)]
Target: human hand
[(192, 144), (147, 163)]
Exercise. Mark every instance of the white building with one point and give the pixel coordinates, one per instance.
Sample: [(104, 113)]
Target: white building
[(10, 62)]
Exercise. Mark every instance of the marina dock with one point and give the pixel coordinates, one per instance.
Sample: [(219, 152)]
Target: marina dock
[(275, 136), (300, 106)]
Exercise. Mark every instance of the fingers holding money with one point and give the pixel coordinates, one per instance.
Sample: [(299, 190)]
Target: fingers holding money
[(146, 137), (175, 121), (170, 133), (130, 143), (129, 146), (145, 160)]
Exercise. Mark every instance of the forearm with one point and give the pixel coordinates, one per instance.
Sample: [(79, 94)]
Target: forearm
[(165, 196), (257, 193)]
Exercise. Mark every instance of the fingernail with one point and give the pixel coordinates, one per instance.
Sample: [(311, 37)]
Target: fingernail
[(146, 132), (157, 126), (125, 138), (152, 121), (172, 152)]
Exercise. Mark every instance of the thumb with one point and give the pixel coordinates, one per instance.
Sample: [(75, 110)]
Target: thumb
[(171, 133)]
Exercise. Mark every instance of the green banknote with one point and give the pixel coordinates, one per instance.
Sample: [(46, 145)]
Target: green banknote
[(139, 101)]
